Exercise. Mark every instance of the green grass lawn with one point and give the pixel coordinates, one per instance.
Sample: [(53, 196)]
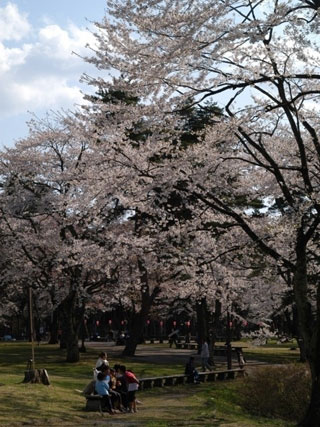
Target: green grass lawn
[(271, 352), (210, 404)]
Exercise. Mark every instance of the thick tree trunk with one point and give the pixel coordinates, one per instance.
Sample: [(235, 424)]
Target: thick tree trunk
[(54, 327), (135, 332), (83, 349), (138, 322), (302, 348), (63, 340), (309, 329), (216, 319), (296, 333), (312, 417), (73, 354), (71, 324), (202, 322)]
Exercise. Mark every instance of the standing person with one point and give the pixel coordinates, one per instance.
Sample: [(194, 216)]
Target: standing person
[(173, 337), (101, 363), (102, 360), (241, 359), (132, 385), (205, 356), (102, 388)]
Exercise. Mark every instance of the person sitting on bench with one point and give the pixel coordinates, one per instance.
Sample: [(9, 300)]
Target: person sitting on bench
[(102, 388), (190, 370)]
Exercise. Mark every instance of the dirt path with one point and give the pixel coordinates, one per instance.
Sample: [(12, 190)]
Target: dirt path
[(163, 354)]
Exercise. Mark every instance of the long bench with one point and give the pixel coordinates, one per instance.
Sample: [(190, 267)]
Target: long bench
[(187, 345), (169, 380), (163, 340)]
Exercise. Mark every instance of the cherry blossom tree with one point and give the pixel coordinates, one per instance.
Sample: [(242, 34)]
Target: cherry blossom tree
[(259, 60), (59, 250)]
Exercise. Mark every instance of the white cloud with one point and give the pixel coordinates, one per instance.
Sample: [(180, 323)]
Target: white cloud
[(13, 24), (59, 43), (10, 58), (48, 93), (37, 67)]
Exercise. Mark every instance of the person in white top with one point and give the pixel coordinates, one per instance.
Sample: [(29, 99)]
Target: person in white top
[(205, 356), (102, 360)]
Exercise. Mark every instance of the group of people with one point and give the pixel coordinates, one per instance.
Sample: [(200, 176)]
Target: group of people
[(116, 385)]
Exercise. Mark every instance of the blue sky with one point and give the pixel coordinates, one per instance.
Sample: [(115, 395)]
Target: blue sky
[(38, 71)]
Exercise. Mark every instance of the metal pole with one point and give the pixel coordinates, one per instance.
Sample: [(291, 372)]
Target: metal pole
[(31, 327)]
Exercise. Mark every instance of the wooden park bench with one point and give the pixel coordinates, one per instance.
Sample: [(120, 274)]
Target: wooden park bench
[(187, 345), (155, 340), (169, 380)]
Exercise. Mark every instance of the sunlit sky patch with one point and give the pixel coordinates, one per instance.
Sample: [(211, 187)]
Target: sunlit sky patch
[(38, 70)]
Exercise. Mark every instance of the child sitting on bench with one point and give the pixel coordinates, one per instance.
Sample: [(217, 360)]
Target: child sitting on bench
[(102, 388)]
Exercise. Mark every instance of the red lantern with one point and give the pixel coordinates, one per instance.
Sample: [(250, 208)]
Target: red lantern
[(110, 322), (230, 324), (148, 322), (188, 323), (174, 323), (97, 323), (161, 323), (122, 322)]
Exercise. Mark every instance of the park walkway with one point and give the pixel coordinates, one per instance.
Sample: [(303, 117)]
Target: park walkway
[(163, 354)]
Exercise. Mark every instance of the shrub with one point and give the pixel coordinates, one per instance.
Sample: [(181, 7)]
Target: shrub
[(277, 391)]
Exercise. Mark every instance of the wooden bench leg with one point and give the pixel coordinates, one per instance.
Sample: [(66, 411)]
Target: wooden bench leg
[(221, 376)]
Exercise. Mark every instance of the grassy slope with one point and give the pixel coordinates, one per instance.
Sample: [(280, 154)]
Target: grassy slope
[(213, 404), (271, 352)]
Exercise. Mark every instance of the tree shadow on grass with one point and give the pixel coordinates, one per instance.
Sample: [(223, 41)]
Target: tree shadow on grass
[(35, 408)]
